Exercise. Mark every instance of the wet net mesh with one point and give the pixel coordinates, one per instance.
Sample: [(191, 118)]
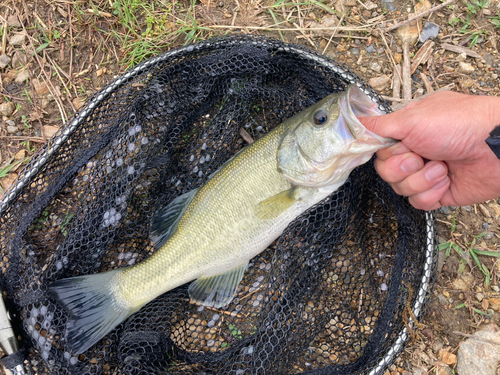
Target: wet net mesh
[(332, 295)]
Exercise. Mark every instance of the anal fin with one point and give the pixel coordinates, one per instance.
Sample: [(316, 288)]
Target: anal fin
[(217, 291)]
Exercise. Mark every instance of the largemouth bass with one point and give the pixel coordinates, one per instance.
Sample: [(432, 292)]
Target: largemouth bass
[(210, 234)]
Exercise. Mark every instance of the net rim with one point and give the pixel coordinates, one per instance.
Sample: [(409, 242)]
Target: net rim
[(62, 135)]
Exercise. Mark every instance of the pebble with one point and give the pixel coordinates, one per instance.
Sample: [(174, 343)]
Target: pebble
[(6, 109), (17, 39), (380, 83), (462, 57), (496, 288), (398, 57), (12, 129), (486, 226), (22, 76), (388, 4), (355, 51), (488, 236), (13, 21), (484, 211), (479, 296), (460, 284), (41, 88), (442, 300), (430, 30), (465, 68), (443, 369), (370, 49), (480, 357), (375, 66), (444, 210), (4, 61), (453, 208)]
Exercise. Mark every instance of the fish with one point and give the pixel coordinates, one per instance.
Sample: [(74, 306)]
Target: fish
[(207, 236)]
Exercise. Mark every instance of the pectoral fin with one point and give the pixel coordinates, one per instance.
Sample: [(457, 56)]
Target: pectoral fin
[(217, 291), (166, 220), (276, 205)]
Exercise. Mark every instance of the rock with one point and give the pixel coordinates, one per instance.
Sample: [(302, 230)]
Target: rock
[(448, 358), (488, 235), (398, 57), (6, 109), (375, 66), (494, 303), (445, 210), (12, 129), (45, 103), (341, 47), (20, 155), (479, 296), (465, 68), (430, 30), (467, 208), (480, 357), (484, 210), (468, 278), (41, 88), (4, 61), (370, 48), (460, 284), (49, 131), (18, 60), (17, 39), (380, 83), (443, 369), (10, 123), (462, 56), (408, 32), (388, 4), (486, 226), (13, 21), (22, 76), (78, 102), (442, 300), (488, 59), (496, 288), (453, 208), (355, 51)]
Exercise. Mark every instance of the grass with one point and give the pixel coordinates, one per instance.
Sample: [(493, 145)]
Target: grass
[(149, 28), (468, 253)]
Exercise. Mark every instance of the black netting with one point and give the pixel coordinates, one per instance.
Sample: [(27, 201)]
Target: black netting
[(332, 295)]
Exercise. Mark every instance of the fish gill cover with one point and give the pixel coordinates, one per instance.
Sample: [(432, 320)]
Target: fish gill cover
[(336, 293)]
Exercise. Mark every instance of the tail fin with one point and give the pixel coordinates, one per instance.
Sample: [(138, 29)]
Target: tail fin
[(92, 306)]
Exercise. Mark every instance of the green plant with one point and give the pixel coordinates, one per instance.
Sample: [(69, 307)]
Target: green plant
[(468, 253), (495, 20), (476, 5)]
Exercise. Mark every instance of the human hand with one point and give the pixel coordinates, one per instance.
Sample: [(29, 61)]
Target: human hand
[(442, 158)]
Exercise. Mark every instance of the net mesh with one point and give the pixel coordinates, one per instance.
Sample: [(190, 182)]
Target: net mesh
[(332, 295)]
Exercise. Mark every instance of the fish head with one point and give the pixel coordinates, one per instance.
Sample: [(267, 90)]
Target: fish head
[(325, 142)]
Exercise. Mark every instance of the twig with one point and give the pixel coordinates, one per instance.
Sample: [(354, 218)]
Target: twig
[(390, 56), (477, 338), (423, 14), (71, 44), (422, 55), (400, 103), (396, 82), (427, 84), (4, 38), (333, 34), (247, 137), (266, 28), (461, 49), (21, 138), (406, 71)]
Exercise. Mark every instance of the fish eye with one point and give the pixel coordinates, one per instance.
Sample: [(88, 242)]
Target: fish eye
[(320, 117)]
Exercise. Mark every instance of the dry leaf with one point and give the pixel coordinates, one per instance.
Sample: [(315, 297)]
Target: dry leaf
[(49, 131)]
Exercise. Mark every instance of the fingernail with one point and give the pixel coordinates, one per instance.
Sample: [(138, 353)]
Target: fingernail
[(410, 165), (442, 183), (399, 148), (435, 172)]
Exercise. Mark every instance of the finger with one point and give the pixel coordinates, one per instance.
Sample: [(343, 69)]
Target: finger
[(426, 178), (389, 125), (397, 149), (431, 199), (397, 168)]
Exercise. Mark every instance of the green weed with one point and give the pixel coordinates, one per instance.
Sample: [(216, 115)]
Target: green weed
[(476, 5), (468, 253)]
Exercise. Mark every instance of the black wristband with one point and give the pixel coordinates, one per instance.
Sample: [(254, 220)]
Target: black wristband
[(494, 141)]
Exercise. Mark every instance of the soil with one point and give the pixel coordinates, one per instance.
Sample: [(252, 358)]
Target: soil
[(69, 52)]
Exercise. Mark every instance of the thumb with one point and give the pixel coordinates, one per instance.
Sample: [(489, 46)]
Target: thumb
[(390, 126)]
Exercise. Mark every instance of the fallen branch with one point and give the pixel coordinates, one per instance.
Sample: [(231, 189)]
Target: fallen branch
[(401, 103), (423, 14)]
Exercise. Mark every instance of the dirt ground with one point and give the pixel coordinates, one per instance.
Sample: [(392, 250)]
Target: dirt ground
[(55, 54)]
